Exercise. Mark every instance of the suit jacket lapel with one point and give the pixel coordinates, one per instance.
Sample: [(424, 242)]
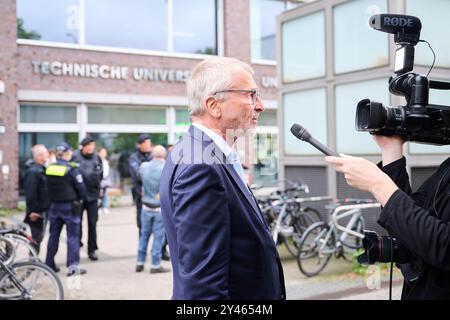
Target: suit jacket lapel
[(244, 190), (206, 140)]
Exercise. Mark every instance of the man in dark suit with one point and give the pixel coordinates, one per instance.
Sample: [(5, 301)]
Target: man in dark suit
[(220, 245)]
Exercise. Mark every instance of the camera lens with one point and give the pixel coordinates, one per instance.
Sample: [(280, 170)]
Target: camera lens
[(370, 115)]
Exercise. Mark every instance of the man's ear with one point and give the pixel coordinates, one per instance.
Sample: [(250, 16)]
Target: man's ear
[(212, 107)]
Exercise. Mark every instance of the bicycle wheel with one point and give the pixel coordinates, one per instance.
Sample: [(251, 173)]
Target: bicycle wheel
[(23, 249), (6, 251), (40, 282), (299, 223), (313, 213), (315, 249)]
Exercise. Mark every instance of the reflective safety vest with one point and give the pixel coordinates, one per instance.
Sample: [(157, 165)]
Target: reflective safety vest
[(60, 183)]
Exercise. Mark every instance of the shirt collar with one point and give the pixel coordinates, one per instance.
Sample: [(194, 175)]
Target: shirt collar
[(217, 139)]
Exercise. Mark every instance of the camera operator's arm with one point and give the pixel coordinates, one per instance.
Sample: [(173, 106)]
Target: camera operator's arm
[(391, 148), (402, 215), (393, 163), (364, 175), (418, 229)]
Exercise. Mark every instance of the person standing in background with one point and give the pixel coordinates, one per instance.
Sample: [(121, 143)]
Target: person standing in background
[(151, 220), (105, 183), (66, 192), (92, 170), (142, 154), (36, 194)]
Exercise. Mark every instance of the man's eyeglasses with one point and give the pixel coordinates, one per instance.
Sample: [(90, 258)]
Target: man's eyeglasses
[(254, 94)]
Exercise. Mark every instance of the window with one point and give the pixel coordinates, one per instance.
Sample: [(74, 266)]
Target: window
[(163, 25), (348, 140), (433, 15), (119, 147), (48, 20), (194, 26), (303, 50), (126, 115), (309, 109), (266, 168), (136, 24), (361, 47), (30, 113), (182, 117), (263, 15), (268, 118)]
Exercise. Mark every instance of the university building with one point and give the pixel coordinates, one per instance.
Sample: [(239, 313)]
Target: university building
[(113, 69)]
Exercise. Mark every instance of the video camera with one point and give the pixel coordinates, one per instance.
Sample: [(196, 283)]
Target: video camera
[(417, 120)]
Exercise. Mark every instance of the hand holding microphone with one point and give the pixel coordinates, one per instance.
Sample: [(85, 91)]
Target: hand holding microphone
[(359, 172)]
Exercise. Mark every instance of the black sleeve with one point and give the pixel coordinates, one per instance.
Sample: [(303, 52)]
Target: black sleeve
[(100, 172), (78, 183), (417, 229), (31, 194), (397, 172), (134, 170)]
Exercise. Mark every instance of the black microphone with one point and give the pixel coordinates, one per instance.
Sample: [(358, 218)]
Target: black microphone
[(405, 28), (303, 134)]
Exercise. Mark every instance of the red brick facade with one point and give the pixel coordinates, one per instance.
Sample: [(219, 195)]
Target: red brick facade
[(8, 104)]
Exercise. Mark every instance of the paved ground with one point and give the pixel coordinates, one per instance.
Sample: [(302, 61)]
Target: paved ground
[(113, 276)]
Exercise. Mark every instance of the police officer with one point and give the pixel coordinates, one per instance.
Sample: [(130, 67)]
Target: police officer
[(66, 191), (142, 154), (91, 167), (36, 194)]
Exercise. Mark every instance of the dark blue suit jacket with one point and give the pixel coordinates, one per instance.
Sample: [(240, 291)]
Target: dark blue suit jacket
[(220, 245)]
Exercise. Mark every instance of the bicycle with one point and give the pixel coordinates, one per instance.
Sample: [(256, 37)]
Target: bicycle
[(321, 240), (24, 245), (285, 215), (306, 216), (26, 280)]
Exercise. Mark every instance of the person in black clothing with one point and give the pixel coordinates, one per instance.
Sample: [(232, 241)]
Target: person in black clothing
[(420, 221), (92, 170), (142, 154), (66, 192), (36, 194)]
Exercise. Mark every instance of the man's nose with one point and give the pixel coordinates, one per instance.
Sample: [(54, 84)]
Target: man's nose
[(259, 106)]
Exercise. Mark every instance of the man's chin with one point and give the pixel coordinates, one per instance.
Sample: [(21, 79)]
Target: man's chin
[(240, 133)]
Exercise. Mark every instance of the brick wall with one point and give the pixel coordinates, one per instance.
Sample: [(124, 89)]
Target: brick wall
[(8, 103)]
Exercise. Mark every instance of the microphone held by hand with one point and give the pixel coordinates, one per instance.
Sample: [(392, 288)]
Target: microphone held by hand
[(303, 134)]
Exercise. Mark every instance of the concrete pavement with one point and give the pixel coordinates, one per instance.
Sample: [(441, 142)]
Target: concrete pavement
[(113, 275)]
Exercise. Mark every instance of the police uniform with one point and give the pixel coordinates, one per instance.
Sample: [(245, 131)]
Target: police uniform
[(66, 190), (135, 161), (91, 168)]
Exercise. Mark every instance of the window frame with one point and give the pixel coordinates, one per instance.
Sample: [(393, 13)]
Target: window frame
[(81, 45)]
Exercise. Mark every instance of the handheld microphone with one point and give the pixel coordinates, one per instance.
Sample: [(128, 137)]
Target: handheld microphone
[(303, 134), (406, 29)]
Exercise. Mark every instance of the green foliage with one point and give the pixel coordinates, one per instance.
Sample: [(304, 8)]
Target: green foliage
[(207, 50), (23, 34), (114, 201), (358, 268), (8, 212), (361, 269)]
